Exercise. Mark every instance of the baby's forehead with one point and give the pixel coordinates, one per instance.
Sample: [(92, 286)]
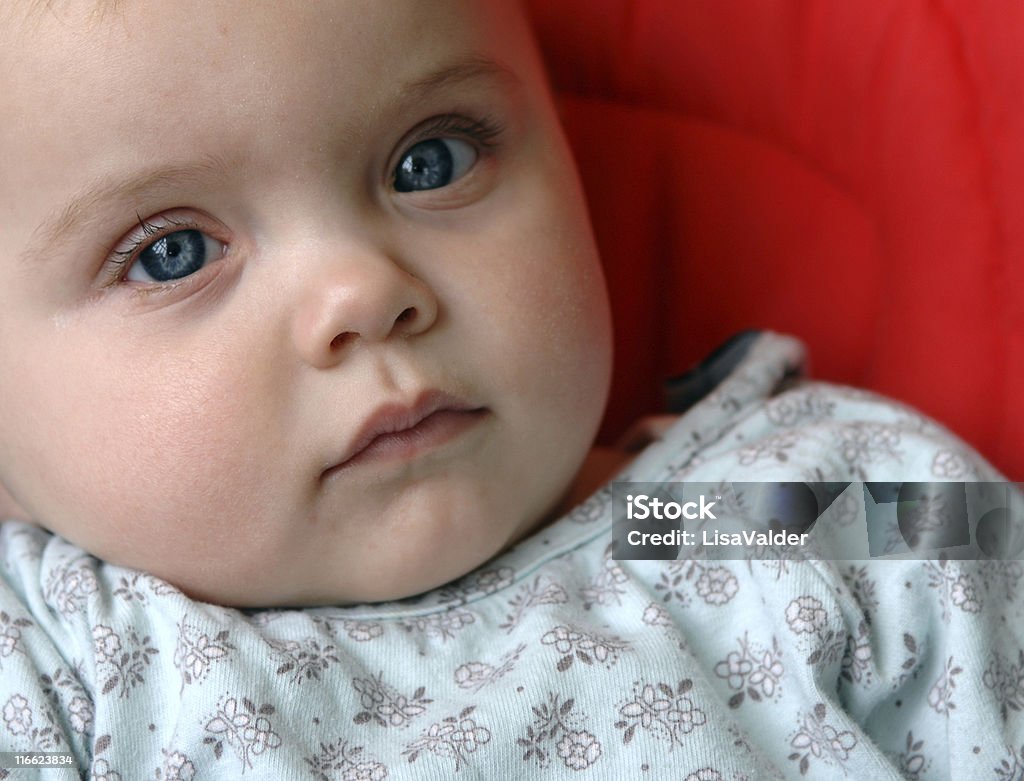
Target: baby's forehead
[(34, 11), (235, 50), (180, 80), (490, 24)]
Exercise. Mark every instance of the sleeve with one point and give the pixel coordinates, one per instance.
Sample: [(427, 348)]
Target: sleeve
[(44, 706), (920, 659)]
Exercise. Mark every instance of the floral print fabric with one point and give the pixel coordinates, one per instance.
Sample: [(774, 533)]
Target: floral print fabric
[(554, 660)]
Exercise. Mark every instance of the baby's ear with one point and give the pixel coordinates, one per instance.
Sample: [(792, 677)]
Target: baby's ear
[(10, 510)]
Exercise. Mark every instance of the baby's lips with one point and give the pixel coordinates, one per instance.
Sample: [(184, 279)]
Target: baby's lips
[(397, 418)]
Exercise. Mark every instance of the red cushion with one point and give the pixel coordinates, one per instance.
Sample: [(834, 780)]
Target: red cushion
[(846, 172)]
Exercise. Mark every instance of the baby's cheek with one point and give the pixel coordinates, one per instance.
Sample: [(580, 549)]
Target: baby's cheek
[(199, 438), (561, 284), (159, 455), (566, 346)]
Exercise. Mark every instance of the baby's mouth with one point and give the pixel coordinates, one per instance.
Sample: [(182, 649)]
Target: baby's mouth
[(396, 432)]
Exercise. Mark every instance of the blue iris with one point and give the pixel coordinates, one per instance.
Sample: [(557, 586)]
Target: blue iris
[(426, 166), (174, 256)]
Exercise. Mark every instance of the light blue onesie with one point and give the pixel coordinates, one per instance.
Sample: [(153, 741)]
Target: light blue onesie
[(553, 660)]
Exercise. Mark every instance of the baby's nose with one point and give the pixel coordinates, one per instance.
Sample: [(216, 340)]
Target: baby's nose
[(369, 299)]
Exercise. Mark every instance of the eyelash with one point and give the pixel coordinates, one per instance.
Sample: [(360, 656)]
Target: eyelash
[(485, 131), (121, 260)]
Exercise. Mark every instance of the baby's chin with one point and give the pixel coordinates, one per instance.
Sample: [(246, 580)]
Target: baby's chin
[(10, 510), (349, 546), (269, 595), (374, 576)]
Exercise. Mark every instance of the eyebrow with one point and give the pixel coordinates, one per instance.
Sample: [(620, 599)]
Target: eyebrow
[(467, 69), (62, 224), (82, 208)]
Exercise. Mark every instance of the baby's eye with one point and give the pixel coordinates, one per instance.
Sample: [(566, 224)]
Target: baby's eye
[(433, 163), (174, 256)]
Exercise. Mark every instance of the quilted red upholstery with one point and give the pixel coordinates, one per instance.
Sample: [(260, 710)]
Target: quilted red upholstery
[(843, 171)]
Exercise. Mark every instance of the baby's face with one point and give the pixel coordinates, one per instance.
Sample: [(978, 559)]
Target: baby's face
[(299, 304)]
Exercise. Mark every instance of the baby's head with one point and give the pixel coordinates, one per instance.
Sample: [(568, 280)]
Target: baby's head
[(300, 300)]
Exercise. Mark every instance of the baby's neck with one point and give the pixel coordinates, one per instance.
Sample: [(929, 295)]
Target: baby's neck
[(600, 465)]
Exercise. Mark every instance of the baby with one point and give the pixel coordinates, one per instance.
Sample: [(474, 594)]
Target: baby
[(307, 303), (302, 307)]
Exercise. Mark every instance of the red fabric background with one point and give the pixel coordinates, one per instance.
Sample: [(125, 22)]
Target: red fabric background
[(846, 172)]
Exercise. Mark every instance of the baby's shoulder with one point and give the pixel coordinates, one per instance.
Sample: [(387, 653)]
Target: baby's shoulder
[(821, 431)]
